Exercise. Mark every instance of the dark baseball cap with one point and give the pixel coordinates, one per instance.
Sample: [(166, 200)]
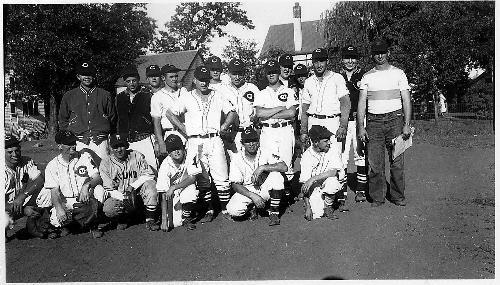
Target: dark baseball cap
[(379, 47), (319, 54), (117, 140), (11, 141), (236, 65), (249, 134), (214, 62), (66, 137), (153, 71), (286, 60), (130, 71), (300, 69), (350, 52), (173, 142), (318, 132), (272, 67), (201, 73), (86, 68), (169, 68)]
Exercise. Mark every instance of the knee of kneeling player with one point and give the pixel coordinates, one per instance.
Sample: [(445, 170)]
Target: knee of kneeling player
[(99, 193), (234, 211), (331, 185), (149, 193), (274, 181), (189, 194)]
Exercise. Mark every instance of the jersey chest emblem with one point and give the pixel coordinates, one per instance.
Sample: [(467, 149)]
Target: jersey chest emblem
[(249, 96), (82, 171), (283, 97)]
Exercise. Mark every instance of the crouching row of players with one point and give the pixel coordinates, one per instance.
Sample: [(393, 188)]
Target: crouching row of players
[(80, 189)]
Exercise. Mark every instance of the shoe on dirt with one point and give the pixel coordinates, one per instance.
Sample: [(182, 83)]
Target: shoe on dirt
[(274, 220), (360, 196)]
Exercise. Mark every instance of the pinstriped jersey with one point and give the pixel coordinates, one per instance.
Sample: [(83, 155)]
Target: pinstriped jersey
[(314, 163), (270, 98), (118, 175), (241, 168), (15, 179), (243, 99)]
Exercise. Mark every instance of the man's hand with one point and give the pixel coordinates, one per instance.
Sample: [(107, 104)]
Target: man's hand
[(170, 193), (406, 132), (308, 215), (341, 133), (164, 225), (256, 174), (306, 187), (29, 211), (258, 201), (84, 193), (304, 140), (17, 204), (362, 134), (61, 214)]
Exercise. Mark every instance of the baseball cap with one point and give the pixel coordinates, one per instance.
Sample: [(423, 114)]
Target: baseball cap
[(350, 52), (86, 68), (214, 62), (286, 60), (66, 137), (11, 141), (201, 73), (319, 54), (169, 68), (272, 67), (300, 69), (249, 134), (116, 140), (318, 132), (236, 65), (130, 71), (173, 142), (379, 47), (153, 71)]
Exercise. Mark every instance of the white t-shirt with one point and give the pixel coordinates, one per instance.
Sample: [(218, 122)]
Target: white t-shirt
[(203, 117), (384, 89), (243, 98), (163, 100), (15, 179), (70, 177), (171, 174), (268, 98), (323, 95), (314, 163), (241, 168)]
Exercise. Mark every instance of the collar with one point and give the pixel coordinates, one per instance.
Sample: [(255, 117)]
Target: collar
[(85, 92)]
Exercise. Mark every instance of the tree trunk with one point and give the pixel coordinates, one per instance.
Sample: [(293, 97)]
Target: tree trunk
[(53, 116), (436, 108)]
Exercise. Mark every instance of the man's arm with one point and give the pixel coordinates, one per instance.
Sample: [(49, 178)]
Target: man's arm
[(275, 167), (111, 112), (159, 135), (266, 113), (55, 196), (64, 112), (31, 188), (362, 135), (306, 187), (286, 113), (230, 118), (345, 107), (175, 121), (257, 200), (88, 187), (405, 95)]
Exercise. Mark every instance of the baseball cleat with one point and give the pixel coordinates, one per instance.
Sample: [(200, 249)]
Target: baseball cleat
[(96, 233), (401, 203), (343, 207), (209, 216), (152, 225), (64, 232), (121, 226), (188, 224), (329, 213), (253, 214), (360, 196), (274, 220), (376, 204)]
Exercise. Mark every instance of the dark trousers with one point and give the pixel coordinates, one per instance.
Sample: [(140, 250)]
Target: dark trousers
[(381, 129)]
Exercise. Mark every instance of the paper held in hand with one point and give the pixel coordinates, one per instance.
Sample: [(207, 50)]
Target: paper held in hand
[(401, 145)]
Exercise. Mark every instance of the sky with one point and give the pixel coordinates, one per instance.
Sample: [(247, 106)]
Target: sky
[(262, 13)]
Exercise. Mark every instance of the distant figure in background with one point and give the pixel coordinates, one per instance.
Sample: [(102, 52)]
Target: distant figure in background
[(443, 104)]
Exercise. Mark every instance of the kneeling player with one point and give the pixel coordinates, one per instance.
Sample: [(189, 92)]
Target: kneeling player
[(176, 182), (72, 184), (256, 178), (127, 175), (320, 174)]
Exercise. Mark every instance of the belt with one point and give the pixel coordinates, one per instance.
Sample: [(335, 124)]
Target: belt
[(323, 116), (240, 129), (137, 137), (168, 129), (205, 136), (277, 125)]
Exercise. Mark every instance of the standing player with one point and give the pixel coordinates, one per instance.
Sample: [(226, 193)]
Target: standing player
[(300, 74), (126, 175), (255, 177), (203, 108), (214, 65), (153, 75), (176, 181), (88, 111), (352, 75), (386, 91), (326, 103), (320, 173), (23, 181), (71, 177), (133, 107), (286, 66)]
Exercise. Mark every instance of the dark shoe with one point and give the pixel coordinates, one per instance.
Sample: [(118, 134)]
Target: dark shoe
[(122, 226), (401, 203), (152, 225), (209, 216), (96, 233), (253, 214), (188, 224), (64, 232), (53, 235), (376, 204), (343, 207), (329, 213), (360, 197), (274, 220)]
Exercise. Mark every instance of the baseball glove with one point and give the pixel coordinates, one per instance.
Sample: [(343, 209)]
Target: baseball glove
[(86, 213), (39, 225)]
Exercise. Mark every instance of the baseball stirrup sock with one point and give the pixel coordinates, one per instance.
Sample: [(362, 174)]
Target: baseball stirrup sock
[(343, 183), (275, 200), (187, 209), (329, 200), (207, 197), (361, 178), (223, 195), (150, 212)]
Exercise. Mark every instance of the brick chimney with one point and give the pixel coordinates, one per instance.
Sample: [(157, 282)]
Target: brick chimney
[(297, 27)]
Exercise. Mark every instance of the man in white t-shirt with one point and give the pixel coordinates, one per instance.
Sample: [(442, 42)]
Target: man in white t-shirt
[(385, 90)]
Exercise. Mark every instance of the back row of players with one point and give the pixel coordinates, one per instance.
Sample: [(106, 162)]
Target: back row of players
[(174, 142)]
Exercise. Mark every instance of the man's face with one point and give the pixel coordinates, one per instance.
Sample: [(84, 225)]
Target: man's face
[(285, 72), (12, 155), (178, 155), (349, 63), (272, 77), (301, 79), (120, 152), (237, 78), (202, 85), (215, 73), (154, 81), (323, 145), (86, 80), (171, 79), (319, 66), (251, 147), (380, 58), (132, 84), (68, 151)]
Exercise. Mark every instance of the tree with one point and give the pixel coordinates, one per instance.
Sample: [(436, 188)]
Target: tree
[(246, 51), (195, 23), (43, 44)]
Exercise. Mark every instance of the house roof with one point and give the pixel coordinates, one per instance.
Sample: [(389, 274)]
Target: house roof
[(282, 36), (181, 60)]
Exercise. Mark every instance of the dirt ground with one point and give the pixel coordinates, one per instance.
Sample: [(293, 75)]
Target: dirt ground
[(445, 231)]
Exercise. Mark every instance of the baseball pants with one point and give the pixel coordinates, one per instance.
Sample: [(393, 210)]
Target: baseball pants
[(281, 141), (186, 195), (330, 186), (148, 194), (146, 147), (238, 205), (352, 138), (100, 149)]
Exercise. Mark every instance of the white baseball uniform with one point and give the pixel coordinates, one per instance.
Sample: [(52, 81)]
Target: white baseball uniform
[(171, 174), (277, 135), (15, 179), (163, 100), (314, 163), (241, 170)]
